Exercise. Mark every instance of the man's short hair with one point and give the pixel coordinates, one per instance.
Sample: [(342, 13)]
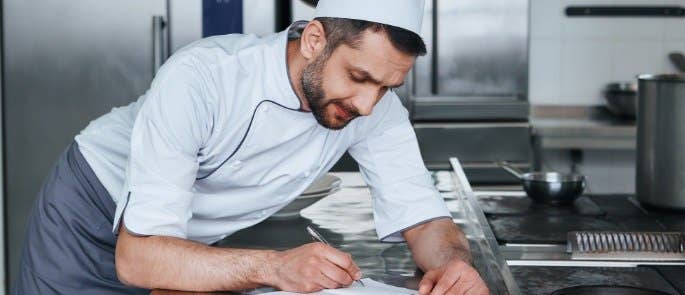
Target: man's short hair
[(349, 32)]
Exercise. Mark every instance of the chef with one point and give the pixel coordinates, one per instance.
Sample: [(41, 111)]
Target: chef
[(232, 129)]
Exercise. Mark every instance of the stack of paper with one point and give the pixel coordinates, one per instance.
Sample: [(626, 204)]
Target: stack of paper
[(370, 287)]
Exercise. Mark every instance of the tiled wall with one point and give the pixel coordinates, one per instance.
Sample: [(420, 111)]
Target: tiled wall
[(571, 59)]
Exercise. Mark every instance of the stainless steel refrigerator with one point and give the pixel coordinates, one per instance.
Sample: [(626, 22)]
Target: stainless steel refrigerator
[(65, 64), (468, 96)]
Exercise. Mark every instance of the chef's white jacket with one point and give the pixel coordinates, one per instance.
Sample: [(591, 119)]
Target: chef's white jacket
[(218, 143)]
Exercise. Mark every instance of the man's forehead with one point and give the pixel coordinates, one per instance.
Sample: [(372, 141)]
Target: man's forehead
[(395, 80)]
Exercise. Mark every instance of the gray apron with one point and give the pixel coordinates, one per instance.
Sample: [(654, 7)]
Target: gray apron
[(69, 246)]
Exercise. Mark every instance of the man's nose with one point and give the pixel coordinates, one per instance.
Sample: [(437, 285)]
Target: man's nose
[(364, 103)]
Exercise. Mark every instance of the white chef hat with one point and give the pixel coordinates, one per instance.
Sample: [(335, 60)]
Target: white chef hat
[(406, 14)]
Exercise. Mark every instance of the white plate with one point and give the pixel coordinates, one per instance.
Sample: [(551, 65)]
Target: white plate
[(321, 188), (324, 184), (293, 209)]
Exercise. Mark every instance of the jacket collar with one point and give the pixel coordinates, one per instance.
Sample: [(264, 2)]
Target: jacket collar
[(277, 55)]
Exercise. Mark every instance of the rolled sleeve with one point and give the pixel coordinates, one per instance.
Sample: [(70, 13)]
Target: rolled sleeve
[(168, 133), (390, 161)]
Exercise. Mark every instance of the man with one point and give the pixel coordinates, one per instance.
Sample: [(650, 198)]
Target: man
[(232, 129)]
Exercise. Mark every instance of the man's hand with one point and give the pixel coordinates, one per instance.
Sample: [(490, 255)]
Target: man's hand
[(455, 277), (441, 249), (313, 267)]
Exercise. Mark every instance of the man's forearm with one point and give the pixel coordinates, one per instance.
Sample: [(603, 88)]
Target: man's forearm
[(435, 243), (170, 263)]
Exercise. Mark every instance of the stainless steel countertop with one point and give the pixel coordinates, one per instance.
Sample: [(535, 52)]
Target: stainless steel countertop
[(345, 219), (568, 127)]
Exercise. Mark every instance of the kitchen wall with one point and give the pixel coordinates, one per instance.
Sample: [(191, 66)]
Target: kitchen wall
[(571, 59)]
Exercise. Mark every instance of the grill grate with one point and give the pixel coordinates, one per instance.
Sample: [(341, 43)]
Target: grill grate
[(627, 245)]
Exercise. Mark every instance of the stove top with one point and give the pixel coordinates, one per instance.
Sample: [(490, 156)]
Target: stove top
[(519, 223), (521, 205), (517, 220), (532, 239)]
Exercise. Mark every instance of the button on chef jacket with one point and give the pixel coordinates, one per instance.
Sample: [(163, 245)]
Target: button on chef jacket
[(219, 143)]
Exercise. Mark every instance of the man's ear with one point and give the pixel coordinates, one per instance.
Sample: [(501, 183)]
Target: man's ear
[(313, 40)]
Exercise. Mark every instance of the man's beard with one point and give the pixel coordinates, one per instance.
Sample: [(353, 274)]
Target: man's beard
[(312, 88)]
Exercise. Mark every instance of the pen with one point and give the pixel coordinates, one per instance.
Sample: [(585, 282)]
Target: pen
[(318, 237)]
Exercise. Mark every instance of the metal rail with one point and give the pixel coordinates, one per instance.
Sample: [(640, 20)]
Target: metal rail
[(481, 232)]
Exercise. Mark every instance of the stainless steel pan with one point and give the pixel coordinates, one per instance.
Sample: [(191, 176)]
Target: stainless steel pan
[(549, 187)]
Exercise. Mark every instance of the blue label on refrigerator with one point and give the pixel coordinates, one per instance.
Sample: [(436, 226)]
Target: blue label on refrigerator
[(220, 17)]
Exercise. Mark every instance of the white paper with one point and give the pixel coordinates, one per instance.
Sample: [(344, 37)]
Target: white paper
[(370, 287)]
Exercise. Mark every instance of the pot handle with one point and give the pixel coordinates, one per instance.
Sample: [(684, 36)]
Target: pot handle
[(509, 168)]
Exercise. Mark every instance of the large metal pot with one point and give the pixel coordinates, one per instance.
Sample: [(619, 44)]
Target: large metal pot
[(661, 141)]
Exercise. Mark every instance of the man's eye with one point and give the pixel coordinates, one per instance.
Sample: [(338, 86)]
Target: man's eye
[(355, 79)]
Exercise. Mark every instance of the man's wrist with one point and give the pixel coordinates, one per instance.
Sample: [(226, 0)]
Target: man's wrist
[(464, 255), (456, 254), (267, 268)]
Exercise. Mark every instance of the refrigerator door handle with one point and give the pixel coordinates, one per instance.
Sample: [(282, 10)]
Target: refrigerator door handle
[(160, 46)]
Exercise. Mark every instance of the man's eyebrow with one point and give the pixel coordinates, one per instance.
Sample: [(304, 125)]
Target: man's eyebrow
[(366, 76)]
